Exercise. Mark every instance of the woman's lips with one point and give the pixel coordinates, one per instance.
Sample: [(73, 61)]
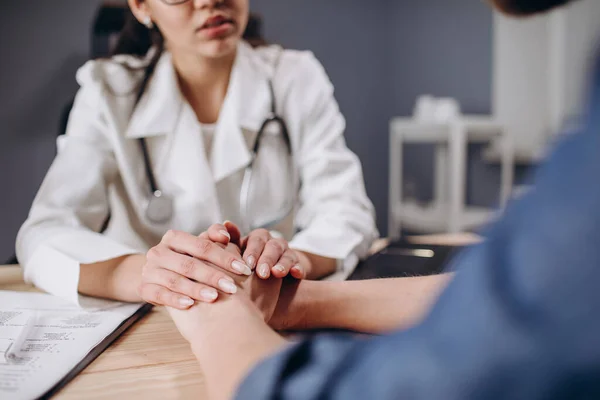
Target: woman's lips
[(218, 31), (217, 27)]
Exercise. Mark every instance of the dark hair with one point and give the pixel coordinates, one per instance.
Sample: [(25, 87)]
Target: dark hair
[(527, 7), (136, 39)]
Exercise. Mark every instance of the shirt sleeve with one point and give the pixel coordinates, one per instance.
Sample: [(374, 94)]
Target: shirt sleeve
[(61, 231), (519, 321), (335, 218)]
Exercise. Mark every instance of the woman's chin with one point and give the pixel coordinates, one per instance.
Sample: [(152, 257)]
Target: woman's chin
[(217, 49)]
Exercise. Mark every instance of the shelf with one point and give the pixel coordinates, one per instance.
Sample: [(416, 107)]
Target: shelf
[(478, 129), (522, 156), (435, 218)]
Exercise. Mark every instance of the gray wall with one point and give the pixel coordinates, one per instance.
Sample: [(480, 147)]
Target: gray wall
[(380, 55), (43, 43)]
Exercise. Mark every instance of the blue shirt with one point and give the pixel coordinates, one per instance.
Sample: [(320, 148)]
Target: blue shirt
[(521, 319)]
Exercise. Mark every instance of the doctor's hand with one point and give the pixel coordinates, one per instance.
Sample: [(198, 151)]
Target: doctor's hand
[(184, 268), (270, 256)]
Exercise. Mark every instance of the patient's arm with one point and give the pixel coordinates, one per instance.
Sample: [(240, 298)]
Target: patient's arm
[(372, 306)]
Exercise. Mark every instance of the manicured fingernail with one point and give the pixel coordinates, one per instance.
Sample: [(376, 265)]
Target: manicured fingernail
[(227, 286), (186, 302), (263, 270), (209, 294), (226, 234), (279, 268), (251, 261), (298, 268), (241, 268)]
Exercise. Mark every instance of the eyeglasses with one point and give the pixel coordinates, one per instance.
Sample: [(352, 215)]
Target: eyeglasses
[(178, 2), (174, 2)]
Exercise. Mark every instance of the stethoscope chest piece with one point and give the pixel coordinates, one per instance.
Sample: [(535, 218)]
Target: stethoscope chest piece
[(160, 208)]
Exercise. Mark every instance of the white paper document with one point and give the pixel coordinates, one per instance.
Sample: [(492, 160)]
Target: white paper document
[(59, 336)]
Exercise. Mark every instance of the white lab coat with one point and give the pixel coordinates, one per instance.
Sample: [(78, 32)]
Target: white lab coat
[(99, 167)]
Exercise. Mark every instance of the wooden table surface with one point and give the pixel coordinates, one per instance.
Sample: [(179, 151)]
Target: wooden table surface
[(151, 360)]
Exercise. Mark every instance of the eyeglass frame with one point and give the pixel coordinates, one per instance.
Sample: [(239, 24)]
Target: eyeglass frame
[(179, 2), (174, 2)]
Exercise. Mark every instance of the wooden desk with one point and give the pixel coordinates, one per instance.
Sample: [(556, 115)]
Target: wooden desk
[(151, 360)]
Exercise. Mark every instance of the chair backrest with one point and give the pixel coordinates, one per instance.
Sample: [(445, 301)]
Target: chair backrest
[(108, 23)]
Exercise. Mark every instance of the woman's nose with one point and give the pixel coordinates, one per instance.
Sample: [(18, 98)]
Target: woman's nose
[(208, 3)]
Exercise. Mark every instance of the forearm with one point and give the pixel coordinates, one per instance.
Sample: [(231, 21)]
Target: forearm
[(227, 353), (116, 279), (372, 306)]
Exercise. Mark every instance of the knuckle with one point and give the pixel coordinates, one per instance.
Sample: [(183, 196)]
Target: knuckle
[(172, 283), (276, 246), (216, 227), (288, 259), (204, 236), (187, 267), (269, 259), (229, 260), (157, 295), (170, 236), (263, 233), (291, 254), (154, 253), (203, 247), (257, 242), (213, 277)]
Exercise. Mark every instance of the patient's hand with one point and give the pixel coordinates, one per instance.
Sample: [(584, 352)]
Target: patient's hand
[(264, 294), (204, 320), (229, 337), (254, 305), (275, 297)]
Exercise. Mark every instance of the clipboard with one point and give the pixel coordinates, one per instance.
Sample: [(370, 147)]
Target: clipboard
[(403, 259), (96, 351)]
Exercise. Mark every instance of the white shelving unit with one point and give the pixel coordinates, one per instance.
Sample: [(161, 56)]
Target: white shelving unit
[(447, 212)]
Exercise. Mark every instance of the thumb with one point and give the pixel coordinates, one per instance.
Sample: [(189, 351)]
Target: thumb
[(234, 232)]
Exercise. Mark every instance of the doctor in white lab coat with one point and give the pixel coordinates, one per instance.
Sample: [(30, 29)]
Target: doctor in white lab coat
[(205, 96)]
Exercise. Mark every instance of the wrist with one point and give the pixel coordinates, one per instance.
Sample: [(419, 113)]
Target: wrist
[(125, 279), (116, 279), (306, 306), (318, 301)]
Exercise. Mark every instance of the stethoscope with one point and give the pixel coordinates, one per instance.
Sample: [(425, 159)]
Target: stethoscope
[(159, 207)]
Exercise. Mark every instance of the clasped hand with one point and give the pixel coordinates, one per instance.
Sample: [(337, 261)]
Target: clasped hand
[(184, 268)]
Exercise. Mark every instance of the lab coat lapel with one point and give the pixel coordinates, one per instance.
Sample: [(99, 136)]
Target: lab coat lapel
[(246, 105), (188, 167), (158, 110), (185, 174)]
